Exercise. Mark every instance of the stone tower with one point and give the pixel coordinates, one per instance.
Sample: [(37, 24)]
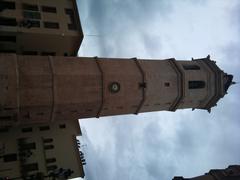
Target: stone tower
[(38, 89)]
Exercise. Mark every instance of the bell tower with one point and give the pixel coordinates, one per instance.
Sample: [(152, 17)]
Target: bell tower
[(203, 83), (38, 89)]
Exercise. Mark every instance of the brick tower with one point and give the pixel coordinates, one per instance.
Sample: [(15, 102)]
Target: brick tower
[(37, 89)]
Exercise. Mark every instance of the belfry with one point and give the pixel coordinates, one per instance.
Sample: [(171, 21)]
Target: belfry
[(40, 89)]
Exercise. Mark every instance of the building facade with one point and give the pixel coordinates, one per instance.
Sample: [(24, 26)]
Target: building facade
[(38, 89), (230, 173), (44, 150), (40, 27)]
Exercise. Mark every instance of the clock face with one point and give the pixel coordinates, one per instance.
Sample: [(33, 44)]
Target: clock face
[(114, 87)]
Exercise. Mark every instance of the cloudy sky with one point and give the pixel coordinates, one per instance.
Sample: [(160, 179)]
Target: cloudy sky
[(161, 145)]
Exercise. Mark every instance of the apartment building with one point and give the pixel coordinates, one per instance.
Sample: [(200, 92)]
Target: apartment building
[(40, 27), (41, 150)]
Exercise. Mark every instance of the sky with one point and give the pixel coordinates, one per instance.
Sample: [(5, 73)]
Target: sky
[(161, 145)]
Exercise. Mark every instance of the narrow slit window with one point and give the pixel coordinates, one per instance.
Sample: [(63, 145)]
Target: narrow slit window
[(142, 85), (196, 84), (191, 67), (166, 84), (49, 9), (51, 25)]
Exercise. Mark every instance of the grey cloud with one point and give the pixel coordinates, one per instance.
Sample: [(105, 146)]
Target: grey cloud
[(161, 145), (114, 21)]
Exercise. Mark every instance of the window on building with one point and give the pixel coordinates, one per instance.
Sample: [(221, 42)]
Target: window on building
[(33, 23), (47, 147), (4, 129), (28, 129), (51, 168), (27, 146), (166, 84), (9, 158), (73, 24), (51, 160), (7, 5), (30, 167), (47, 140), (29, 7), (7, 51), (6, 118), (40, 113), (8, 21), (31, 15), (62, 126), (44, 128), (49, 9), (8, 38), (30, 23), (51, 25), (48, 54), (196, 84), (30, 53), (142, 85), (191, 67)]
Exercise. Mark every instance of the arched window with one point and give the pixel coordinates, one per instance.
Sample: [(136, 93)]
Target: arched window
[(196, 84)]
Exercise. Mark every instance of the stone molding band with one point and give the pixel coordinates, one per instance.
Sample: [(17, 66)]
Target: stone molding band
[(143, 88), (102, 85), (181, 83)]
